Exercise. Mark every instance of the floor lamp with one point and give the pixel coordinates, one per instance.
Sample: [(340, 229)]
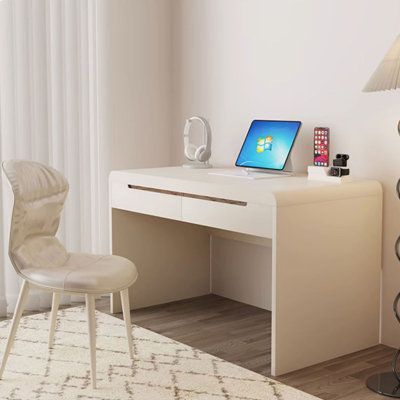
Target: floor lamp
[(387, 77)]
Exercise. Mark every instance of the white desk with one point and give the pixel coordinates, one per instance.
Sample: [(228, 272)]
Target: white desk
[(325, 239)]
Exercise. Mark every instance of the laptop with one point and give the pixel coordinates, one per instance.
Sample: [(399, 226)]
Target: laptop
[(265, 150)]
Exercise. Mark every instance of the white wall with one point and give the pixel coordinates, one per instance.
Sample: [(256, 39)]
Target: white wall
[(140, 82), (242, 271), (237, 60)]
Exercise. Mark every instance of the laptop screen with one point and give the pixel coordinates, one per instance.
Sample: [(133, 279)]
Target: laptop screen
[(268, 144)]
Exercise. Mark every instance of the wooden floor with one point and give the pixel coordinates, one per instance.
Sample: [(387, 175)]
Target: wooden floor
[(241, 334)]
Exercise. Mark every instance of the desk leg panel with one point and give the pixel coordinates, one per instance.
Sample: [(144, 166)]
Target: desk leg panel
[(172, 258), (326, 281)]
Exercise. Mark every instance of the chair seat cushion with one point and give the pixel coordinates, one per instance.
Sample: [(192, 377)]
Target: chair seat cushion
[(86, 273)]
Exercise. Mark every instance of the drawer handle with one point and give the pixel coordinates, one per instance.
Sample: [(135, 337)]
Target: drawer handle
[(190, 195)]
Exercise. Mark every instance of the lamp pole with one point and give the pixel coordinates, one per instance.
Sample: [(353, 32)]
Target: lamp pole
[(387, 77)]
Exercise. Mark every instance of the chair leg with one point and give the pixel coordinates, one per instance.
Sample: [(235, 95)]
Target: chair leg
[(90, 308), (127, 317), (53, 319), (23, 295)]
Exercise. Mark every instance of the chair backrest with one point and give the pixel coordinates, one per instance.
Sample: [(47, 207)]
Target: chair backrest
[(39, 195)]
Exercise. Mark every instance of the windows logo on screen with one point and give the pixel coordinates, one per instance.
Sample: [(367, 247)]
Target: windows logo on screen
[(264, 144)]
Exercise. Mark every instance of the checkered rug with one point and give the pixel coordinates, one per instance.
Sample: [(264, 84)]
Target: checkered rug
[(162, 369)]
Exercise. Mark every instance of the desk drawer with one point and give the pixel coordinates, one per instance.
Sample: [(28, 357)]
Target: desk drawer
[(145, 202), (252, 219)]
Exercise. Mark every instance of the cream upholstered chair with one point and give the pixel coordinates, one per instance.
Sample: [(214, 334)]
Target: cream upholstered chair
[(42, 261)]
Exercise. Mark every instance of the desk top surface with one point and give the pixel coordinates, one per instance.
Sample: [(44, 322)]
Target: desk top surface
[(282, 190)]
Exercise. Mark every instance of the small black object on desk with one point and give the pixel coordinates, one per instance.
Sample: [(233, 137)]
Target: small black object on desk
[(341, 160), (338, 163)]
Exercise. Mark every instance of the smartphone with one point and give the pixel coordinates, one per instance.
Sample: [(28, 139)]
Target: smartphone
[(321, 147)]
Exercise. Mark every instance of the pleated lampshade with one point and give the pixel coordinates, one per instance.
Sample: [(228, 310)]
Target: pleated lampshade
[(387, 75)]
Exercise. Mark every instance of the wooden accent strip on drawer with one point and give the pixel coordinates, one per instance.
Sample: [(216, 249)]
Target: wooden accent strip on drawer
[(190, 195)]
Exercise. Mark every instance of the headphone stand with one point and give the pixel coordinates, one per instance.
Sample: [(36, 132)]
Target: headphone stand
[(197, 165)]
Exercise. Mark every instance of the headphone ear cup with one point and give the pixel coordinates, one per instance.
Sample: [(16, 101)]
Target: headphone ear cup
[(190, 152), (200, 153)]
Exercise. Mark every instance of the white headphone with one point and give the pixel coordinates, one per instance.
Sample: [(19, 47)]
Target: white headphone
[(192, 152)]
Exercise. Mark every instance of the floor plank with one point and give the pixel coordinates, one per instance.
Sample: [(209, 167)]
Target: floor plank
[(241, 334)]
